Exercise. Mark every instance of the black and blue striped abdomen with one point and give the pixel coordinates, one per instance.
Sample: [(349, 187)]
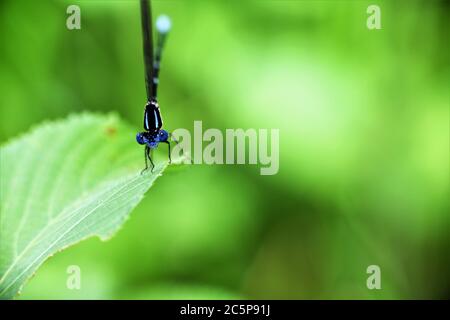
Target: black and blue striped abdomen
[(152, 117)]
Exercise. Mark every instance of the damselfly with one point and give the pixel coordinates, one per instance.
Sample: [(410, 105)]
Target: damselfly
[(153, 134)]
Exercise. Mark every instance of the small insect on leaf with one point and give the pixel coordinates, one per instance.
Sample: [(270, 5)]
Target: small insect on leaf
[(61, 183)]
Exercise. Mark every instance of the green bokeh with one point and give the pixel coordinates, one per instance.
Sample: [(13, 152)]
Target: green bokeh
[(364, 144)]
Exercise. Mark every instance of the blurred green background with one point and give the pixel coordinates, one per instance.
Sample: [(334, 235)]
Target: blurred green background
[(364, 144)]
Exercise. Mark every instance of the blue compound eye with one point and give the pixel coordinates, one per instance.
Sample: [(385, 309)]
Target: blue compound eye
[(163, 135), (140, 138)]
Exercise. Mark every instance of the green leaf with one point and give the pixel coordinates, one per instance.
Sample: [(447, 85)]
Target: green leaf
[(62, 183)]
